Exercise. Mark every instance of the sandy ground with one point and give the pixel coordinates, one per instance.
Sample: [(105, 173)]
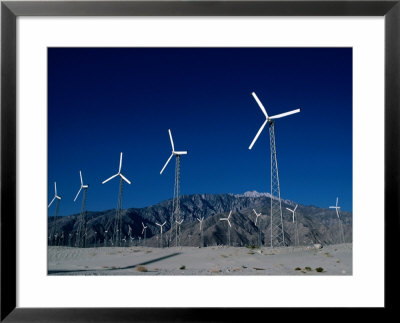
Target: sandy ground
[(333, 259)]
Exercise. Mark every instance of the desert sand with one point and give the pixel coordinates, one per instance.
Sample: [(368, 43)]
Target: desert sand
[(217, 260)]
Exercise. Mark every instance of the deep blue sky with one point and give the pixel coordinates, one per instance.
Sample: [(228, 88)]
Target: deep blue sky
[(105, 101)]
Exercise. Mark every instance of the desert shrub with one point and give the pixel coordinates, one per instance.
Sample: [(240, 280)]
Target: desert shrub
[(142, 269), (319, 269), (297, 268), (182, 267), (308, 268)]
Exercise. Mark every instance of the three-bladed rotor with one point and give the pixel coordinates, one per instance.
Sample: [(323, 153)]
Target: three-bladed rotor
[(161, 225), (201, 221), (144, 227), (82, 186), (55, 195), (118, 174), (293, 211), (336, 207), (257, 215), (174, 152), (268, 118), (227, 219)]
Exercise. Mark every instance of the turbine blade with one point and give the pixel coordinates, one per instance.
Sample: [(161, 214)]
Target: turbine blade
[(164, 222), (166, 163), (51, 201), (229, 222), (77, 194), (170, 138), (337, 200), (289, 209), (142, 230), (143, 224), (109, 178), (80, 174), (120, 163), (285, 114), (258, 133), (124, 178), (229, 214), (55, 189), (296, 207), (260, 104)]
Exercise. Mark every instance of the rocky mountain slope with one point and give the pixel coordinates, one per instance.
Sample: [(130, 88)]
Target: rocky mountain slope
[(315, 225)]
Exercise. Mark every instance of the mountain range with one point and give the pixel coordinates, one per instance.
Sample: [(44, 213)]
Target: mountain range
[(315, 224)]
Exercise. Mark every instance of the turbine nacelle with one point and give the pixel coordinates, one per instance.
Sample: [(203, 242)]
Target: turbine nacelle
[(268, 119)]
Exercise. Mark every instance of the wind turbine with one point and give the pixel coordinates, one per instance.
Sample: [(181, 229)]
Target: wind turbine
[(178, 232), (295, 222), (229, 228), (341, 234), (144, 230), (176, 198), (161, 226), (201, 231), (118, 213), (58, 198), (258, 227), (277, 232), (82, 216)]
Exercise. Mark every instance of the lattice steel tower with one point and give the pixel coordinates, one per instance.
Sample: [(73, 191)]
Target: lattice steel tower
[(175, 212), (276, 221)]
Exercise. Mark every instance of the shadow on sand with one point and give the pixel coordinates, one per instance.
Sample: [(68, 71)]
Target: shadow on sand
[(53, 272)]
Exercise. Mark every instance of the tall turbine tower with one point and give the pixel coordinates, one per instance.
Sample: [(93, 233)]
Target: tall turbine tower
[(82, 217), (118, 213), (58, 198), (341, 234), (277, 232), (175, 216)]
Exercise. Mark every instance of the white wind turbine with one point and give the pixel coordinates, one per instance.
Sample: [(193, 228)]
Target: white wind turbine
[(277, 232), (58, 198), (178, 231), (201, 231), (161, 226), (82, 216), (144, 231), (337, 208), (295, 223), (258, 227), (229, 227), (118, 214), (176, 198)]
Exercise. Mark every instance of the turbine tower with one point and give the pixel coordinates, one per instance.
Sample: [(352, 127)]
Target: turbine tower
[(201, 231), (277, 232), (58, 198), (144, 231), (229, 227), (341, 234), (118, 213), (161, 226), (82, 217), (175, 216), (258, 227), (295, 224)]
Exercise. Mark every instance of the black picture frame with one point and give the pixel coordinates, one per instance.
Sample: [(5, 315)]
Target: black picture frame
[(10, 10)]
